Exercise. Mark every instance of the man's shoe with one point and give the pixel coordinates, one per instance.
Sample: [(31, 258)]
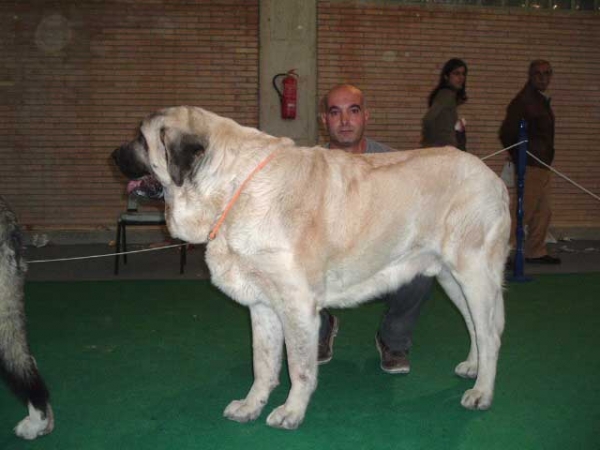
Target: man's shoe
[(546, 259), (392, 361), (326, 345)]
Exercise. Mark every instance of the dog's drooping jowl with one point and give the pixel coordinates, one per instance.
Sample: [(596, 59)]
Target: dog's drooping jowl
[(17, 366), (296, 229)]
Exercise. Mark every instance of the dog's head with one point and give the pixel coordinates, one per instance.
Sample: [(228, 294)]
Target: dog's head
[(197, 156), (165, 147)]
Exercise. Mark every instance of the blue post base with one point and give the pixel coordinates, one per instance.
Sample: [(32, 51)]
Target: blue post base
[(518, 272)]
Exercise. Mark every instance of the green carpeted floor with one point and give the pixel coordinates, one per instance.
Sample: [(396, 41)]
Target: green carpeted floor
[(152, 365)]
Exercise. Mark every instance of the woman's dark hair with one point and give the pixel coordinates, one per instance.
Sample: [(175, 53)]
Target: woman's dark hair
[(452, 64)]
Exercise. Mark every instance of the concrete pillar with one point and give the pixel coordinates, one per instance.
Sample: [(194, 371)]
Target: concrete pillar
[(288, 40)]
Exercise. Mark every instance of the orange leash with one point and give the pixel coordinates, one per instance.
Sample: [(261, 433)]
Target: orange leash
[(262, 164)]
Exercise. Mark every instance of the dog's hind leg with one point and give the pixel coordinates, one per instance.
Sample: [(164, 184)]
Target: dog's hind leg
[(467, 368), (484, 301), (301, 329), (267, 344)]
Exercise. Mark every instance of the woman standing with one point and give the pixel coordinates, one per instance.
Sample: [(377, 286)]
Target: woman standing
[(441, 125)]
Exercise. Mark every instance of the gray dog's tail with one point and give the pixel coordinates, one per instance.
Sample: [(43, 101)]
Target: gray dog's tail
[(17, 366), (27, 385)]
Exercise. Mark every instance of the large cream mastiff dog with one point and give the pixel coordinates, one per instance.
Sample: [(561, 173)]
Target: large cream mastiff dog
[(297, 229)]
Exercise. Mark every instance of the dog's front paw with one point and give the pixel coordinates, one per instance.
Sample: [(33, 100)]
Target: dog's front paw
[(34, 425), (242, 411), (466, 369), (476, 399), (285, 418)]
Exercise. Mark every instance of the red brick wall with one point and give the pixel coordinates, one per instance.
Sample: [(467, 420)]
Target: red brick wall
[(78, 76), (395, 52)]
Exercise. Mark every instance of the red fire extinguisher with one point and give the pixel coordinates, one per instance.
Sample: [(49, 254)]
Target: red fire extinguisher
[(289, 95)]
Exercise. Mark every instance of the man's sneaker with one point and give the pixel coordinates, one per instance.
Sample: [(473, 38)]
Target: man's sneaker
[(392, 361), (326, 345)]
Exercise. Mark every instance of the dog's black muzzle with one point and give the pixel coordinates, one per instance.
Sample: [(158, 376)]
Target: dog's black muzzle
[(125, 159)]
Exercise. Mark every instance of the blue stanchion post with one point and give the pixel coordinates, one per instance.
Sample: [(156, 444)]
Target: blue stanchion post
[(519, 263)]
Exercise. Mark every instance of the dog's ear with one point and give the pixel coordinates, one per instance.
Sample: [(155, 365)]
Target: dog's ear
[(182, 150)]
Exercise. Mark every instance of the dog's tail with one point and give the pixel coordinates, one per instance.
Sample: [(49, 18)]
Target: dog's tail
[(17, 366)]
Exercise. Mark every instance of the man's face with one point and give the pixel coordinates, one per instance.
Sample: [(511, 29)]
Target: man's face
[(345, 118), (540, 76)]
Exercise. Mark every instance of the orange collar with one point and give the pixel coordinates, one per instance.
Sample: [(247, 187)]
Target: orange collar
[(215, 229)]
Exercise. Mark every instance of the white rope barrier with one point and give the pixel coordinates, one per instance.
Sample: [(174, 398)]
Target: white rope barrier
[(39, 261), (503, 150), (574, 183), (565, 177)]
